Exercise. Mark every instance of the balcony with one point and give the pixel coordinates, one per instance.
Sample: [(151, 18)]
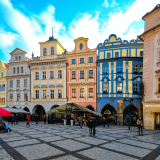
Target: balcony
[(103, 95)]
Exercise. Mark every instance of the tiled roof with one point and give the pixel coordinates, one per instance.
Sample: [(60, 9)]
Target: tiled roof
[(6, 65)]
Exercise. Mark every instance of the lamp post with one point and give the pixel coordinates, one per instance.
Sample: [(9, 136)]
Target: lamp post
[(130, 100)]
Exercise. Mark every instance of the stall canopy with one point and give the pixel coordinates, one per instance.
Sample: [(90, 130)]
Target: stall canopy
[(15, 110), (69, 106)]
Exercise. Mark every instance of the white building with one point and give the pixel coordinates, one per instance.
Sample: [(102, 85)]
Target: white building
[(48, 77), (18, 80)]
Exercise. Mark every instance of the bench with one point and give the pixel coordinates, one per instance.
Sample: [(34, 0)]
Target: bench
[(3, 131)]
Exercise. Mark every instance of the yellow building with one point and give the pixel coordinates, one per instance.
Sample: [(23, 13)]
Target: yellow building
[(3, 83)]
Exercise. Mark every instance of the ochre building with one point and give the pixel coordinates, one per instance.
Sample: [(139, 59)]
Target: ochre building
[(3, 83), (151, 71), (81, 74)]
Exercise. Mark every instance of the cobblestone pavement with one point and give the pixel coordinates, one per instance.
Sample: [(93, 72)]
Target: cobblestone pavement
[(59, 142)]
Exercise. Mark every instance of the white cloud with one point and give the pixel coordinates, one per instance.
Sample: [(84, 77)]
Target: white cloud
[(113, 4), (105, 4)]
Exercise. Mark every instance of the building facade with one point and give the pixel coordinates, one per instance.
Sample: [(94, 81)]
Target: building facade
[(18, 80), (48, 77), (81, 74), (151, 63), (119, 77), (3, 84)]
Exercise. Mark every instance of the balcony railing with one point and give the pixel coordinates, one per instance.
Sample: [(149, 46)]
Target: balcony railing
[(118, 95)]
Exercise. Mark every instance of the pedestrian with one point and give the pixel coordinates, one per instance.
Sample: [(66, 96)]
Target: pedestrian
[(94, 122), (140, 126), (31, 117), (80, 121), (13, 119), (36, 118), (44, 119), (28, 121), (17, 118), (108, 122), (103, 122), (90, 125)]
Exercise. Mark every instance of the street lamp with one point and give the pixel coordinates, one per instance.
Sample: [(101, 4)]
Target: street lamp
[(130, 100)]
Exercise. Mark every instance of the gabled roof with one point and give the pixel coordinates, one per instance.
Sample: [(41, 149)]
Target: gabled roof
[(148, 13), (18, 49), (105, 78), (136, 77)]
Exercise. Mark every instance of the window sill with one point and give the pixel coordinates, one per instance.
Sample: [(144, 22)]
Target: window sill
[(73, 78), (73, 63), (44, 98), (25, 86), (43, 79), (59, 78), (90, 62), (119, 92), (51, 79), (51, 98)]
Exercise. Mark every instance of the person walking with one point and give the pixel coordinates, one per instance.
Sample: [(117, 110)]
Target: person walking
[(28, 121), (36, 118), (103, 122), (90, 126), (108, 122), (13, 119), (17, 118), (140, 126), (44, 119), (80, 121), (94, 121)]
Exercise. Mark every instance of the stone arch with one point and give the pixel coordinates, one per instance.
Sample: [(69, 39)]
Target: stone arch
[(106, 105), (89, 106), (133, 105), (41, 109), (26, 109)]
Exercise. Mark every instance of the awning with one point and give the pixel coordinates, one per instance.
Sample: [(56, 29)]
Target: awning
[(72, 106), (15, 110)]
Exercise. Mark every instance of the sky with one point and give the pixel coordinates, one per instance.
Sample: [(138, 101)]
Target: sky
[(24, 23)]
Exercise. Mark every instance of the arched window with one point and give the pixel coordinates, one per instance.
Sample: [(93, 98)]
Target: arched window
[(44, 52), (52, 50), (81, 46)]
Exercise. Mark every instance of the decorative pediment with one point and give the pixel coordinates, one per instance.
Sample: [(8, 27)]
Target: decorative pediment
[(36, 68), (73, 84), (44, 86), (105, 79), (43, 68), (36, 87), (59, 66), (137, 78), (51, 86), (17, 51), (11, 90), (158, 71), (119, 78), (51, 67), (90, 84), (59, 86), (74, 68), (81, 84), (17, 90)]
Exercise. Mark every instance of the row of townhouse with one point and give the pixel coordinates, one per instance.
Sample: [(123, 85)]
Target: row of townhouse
[(99, 82)]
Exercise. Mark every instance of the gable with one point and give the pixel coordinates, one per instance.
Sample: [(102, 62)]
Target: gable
[(17, 51)]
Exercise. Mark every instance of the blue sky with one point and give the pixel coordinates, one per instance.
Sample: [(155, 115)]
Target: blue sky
[(24, 23)]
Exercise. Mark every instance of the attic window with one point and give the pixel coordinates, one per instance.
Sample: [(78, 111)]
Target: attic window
[(81, 46)]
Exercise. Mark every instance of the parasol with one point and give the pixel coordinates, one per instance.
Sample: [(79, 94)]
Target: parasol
[(4, 113)]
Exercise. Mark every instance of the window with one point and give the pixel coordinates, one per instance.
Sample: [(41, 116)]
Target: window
[(105, 87), (90, 92), (59, 73), (21, 69), (44, 51), (44, 94), (81, 46), (81, 60), (19, 57), (116, 54), (74, 75), (18, 97), (18, 83), (14, 70), (2, 74), (3, 87), (52, 93), (25, 82), (37, 94), (119, 68), (51, 74), (18, 70), (90, 73), (11, 97), (135, 68), (0, 88), (119, 87), (11, 83), (59, 93), (52, 50), (108, 55), (73, 93), (81, 92), (105, 68), (37, 75), (16, 58), (73, 61), (135, 88), (2, 101), (81, 74), (141, 68), (141, 53), (90, 59), (44, 75), (25, 97)]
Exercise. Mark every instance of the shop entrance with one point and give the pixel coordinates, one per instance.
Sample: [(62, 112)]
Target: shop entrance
[(39, 110)]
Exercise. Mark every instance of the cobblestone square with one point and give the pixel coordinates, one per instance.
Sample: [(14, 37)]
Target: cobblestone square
[(59, 142)]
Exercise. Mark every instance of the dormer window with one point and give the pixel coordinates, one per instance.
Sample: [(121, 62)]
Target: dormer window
[(44, 52), (81, 46), (52, 50)]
